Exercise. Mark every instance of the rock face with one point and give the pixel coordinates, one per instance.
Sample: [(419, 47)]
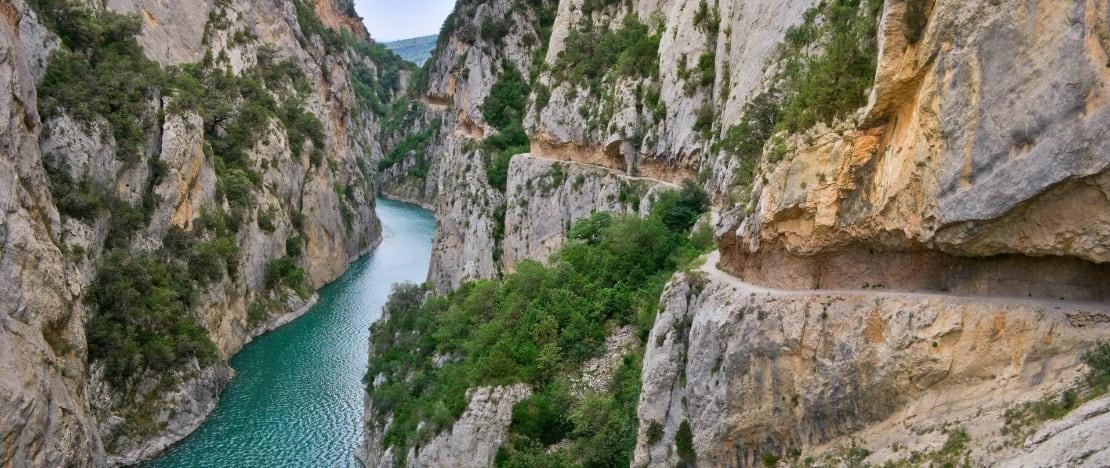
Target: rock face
[(472, 441), (971, 189), (545, 197), (59, 409), (961, 151), (609, 127), (755, 371), (46, 419)]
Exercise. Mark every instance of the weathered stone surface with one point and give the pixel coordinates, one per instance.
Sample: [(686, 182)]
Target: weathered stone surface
[(47, 259), (545, 197), (44, 416), (987, 137), (754, 370), (471, 442)]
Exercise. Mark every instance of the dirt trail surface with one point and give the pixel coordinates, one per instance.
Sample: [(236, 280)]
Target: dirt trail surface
[(713, 258)]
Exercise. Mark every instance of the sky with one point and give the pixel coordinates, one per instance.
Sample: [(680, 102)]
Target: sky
[(389, 20)]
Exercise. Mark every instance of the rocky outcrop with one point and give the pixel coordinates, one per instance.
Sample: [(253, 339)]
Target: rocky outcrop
[(929, 252), (613, 126), (60, 410), (180, 410), (545, 197), (970, 147), (1073, 440), (472, 441), (754, 371), (46, 419), (464, 242)]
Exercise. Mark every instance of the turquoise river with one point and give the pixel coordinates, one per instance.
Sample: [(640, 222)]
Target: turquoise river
[(296, 399)]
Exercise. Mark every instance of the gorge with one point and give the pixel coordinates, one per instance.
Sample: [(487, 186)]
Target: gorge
[(666, 232)]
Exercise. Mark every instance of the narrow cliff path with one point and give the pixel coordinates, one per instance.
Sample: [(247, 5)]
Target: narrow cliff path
[(597, 167), (713, 258)]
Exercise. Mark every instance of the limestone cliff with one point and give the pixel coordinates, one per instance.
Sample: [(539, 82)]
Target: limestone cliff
[(951, 154), (46, 418), (973, 161), (752, 371), (220, 170)]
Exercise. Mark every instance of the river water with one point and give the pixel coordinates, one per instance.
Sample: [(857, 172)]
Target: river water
[(297, 397)]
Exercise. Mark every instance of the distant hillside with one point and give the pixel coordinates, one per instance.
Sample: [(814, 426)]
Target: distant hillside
[(415, 50)]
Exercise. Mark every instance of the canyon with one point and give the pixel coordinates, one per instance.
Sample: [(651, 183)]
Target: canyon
[(907, 213)]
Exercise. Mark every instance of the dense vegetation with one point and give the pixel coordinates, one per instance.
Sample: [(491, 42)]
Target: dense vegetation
[(593, 51), (503, 109), (142, 320), (374, 87), (535, 326), (100, 74), (824, 70), (140, 301), (413, 144)]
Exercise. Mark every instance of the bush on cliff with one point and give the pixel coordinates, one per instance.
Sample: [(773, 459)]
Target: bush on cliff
[(536, 326)]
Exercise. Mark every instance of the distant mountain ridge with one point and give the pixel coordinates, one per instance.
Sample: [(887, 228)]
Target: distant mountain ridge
[(415, 50)]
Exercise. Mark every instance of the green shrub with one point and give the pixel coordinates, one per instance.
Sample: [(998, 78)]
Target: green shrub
[(503, 109), (293, 247), (1098, 359), (284, 271), (101, 73), (140, 319), (832, 82), (80, 200), (654, 432), (266, 219), (825, 68), (543, 417), (593, 50), (684, 442), (530, 326)]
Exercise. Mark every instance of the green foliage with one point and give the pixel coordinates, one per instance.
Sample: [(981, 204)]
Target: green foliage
[(237, 110), (746, 139), (80, 200), (100, 74), (141, 320), (1098, 359), (684, 442), (543, 417), (284, 271), (1024, 419), (504, 110), (266, 219), (825, 68), (954, 453), (374, 88), (413, 144), (507, 98), (708, 21), (654, 432), (706, 70), (293, 247), (679, 211), (831, 83), (703, 122), (593, 51), (532, 326)]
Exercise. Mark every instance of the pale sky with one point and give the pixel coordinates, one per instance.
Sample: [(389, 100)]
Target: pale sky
[(389, 20)]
